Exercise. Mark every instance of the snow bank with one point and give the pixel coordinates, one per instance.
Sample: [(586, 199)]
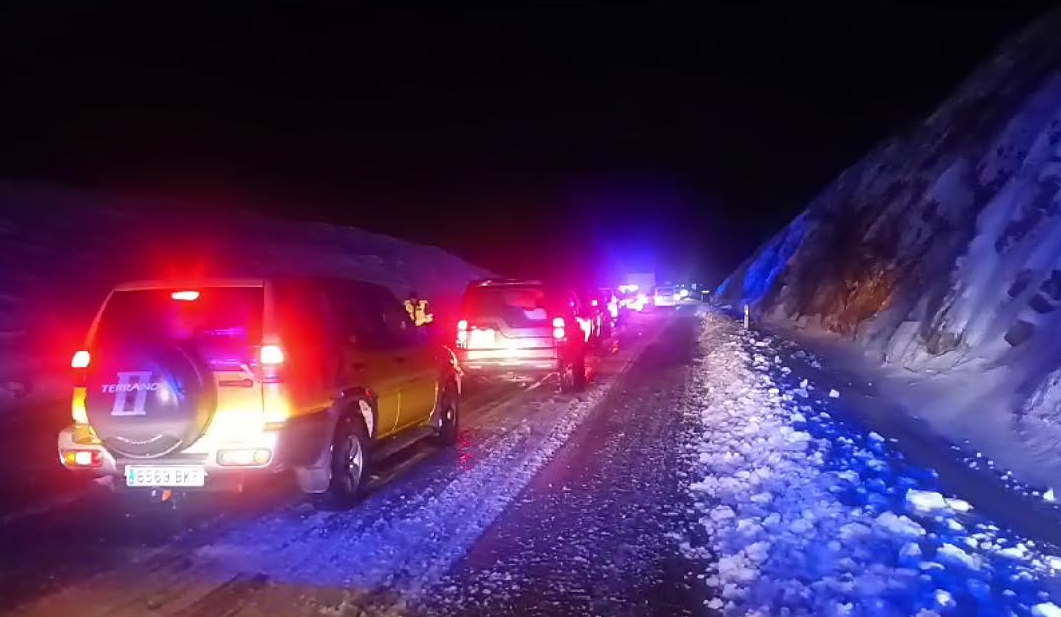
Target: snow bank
[(940, 252), (69, 247), (809, 516)]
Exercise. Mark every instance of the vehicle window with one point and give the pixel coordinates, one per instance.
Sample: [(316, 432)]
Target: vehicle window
[(399, 326), (222, 323), (373, 316), (306, 323), (517, 305)]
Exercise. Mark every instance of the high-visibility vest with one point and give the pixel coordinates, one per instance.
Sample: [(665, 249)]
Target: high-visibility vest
[(419, 312)]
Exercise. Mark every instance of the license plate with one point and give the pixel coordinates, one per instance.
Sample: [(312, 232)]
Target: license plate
[(174, 475), (481, 338)]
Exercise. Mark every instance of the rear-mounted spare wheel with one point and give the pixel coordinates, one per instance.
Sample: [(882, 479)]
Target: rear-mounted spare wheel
[(149, 401)]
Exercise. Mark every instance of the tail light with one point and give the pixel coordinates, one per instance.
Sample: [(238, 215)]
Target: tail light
[(593, 303), (462, 333), (81, 359), (559, 330), (80, 363), (271, 359), (83, 458), (271, 355)]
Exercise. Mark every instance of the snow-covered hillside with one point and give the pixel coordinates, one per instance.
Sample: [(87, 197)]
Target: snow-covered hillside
[(61, 250), (940, 251)]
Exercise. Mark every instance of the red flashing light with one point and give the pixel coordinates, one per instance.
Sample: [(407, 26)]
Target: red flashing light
[(185, 296), (559, 334), (593, 302), (81, 359), (558, 322), (271, 355)]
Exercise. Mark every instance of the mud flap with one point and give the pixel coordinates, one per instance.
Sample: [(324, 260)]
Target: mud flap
[(317, 476)]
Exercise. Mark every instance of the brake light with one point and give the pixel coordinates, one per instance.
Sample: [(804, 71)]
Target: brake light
[(271, 355), (185, 296), (593, 303), (81, 359), (462, 333), (559, 331)]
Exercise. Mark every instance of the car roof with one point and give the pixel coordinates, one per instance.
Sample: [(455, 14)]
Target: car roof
[(188, 283), (234, 282)]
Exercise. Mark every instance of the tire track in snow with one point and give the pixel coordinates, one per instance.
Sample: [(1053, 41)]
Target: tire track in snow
[(382, 556)]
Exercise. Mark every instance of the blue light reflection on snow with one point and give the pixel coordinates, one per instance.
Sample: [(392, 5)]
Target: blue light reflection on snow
[(1001, 585), (761, 274)]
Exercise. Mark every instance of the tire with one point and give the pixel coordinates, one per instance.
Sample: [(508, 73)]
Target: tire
[(578, 375), (573, 376), (449, 422), (350, 457)]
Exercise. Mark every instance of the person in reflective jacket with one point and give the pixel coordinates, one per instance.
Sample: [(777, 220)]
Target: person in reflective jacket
[(418, 309)]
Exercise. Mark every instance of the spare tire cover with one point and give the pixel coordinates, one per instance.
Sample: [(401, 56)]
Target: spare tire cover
[(149, 401)]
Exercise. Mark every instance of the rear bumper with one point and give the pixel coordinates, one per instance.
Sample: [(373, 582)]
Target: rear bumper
[(204, 452), (509, 363)]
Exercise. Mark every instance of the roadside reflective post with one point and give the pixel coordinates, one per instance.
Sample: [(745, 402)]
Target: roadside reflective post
[(747, 316)]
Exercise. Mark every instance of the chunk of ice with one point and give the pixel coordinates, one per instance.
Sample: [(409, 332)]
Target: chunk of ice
[(925, 501)]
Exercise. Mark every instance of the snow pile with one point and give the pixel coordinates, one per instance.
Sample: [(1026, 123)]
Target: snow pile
[(940, 252), (70, 247), (810, 516)]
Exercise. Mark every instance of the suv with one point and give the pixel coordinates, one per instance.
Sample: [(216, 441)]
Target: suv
[(520, 330), (202, 385)]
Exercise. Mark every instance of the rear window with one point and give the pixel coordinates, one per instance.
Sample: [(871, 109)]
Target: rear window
[(517, 305), (222, 322), (664, 291)]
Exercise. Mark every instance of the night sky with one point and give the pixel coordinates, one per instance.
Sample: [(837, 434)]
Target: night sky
[(530, 140)]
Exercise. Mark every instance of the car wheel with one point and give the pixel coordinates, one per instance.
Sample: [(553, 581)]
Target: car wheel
[(448, 418), (350, 449), (578, 375), (573, 376)]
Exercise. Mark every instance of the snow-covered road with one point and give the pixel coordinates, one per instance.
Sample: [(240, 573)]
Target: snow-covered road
[(704, 471), (272, 554)]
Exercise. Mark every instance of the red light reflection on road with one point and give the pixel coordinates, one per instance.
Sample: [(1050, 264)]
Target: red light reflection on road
[(465, 457)]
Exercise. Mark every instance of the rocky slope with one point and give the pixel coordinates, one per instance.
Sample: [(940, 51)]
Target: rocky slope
[(940, 251), (61, 250)]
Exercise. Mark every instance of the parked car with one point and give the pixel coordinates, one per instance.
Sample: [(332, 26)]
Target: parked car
[(521, 330), (192, 386), (665, 297)]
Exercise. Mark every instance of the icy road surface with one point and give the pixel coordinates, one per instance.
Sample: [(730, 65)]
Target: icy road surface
[(701, 473)]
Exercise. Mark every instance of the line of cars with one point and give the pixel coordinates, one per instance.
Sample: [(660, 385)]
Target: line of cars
[(198, 385)]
